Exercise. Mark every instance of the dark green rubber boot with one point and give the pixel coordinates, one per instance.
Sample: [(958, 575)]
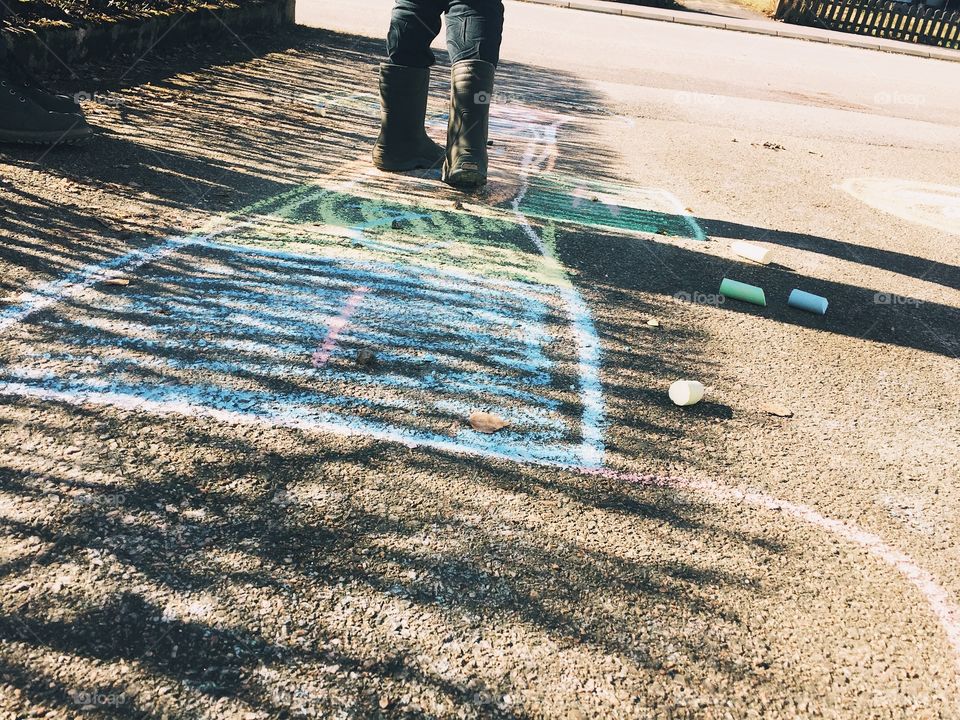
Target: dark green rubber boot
[(403, 143), (25, 122), (471, 90)]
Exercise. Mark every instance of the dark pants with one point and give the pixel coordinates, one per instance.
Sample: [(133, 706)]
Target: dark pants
[(474, 31)]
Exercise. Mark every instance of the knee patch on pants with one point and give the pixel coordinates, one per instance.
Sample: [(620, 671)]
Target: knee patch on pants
[(408, 43)]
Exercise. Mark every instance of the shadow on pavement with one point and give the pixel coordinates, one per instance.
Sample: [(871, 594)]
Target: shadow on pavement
[(285, 570)]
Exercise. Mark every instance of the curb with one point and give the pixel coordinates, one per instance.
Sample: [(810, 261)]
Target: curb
[(57, 48), (756, 27)]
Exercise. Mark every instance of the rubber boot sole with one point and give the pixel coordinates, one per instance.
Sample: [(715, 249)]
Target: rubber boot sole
[(71, 137), (405, 165), (465, 178)]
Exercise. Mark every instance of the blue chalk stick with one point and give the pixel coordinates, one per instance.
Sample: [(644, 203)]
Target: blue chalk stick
[(807, 301)]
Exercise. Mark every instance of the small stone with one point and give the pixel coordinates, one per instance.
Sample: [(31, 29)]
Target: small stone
[(653, 323), (384, 702), (365, 357), (776, 409)]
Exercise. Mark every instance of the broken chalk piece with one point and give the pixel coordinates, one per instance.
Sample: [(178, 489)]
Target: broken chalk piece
[(686, 392), (807, 301), (752, 252), (742, 291)]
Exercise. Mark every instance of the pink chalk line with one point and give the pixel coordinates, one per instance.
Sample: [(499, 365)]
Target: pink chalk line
[(943, 607), (337, 325)]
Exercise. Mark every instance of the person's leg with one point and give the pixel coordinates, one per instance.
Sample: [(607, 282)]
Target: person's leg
[(475, 30), (404, 85), (414, 24), (474, 33)]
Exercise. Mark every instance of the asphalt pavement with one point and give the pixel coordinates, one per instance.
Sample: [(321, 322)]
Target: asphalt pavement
[(243, 475)]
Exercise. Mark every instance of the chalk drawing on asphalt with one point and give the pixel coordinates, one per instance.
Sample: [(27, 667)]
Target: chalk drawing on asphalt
[(936, 206), (231, 330), (236, 328), (123, 342), (610, 206)]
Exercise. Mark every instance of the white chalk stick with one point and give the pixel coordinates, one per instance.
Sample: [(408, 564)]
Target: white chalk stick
[(686, 392), (752, 252)]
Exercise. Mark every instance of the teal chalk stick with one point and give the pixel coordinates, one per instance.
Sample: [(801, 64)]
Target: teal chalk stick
[(807, 301), (741, 291)]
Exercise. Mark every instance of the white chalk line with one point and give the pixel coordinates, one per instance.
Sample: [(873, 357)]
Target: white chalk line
[(588, 342), (310, 420), (929, 204), (57, 291), (680, 210)]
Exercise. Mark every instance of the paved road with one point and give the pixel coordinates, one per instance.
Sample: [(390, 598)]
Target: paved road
[(218, 504)]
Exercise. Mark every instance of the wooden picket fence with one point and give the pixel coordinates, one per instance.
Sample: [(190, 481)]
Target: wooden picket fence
[(878, 18)]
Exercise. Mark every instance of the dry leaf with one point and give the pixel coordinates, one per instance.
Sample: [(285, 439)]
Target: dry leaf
[(776, 409), (487, 422)]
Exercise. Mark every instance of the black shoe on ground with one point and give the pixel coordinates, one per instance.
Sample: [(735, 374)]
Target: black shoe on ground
[(21, 80), (23, 121)]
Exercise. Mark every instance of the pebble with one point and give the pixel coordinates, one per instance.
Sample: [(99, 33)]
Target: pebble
[(776, 409)]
